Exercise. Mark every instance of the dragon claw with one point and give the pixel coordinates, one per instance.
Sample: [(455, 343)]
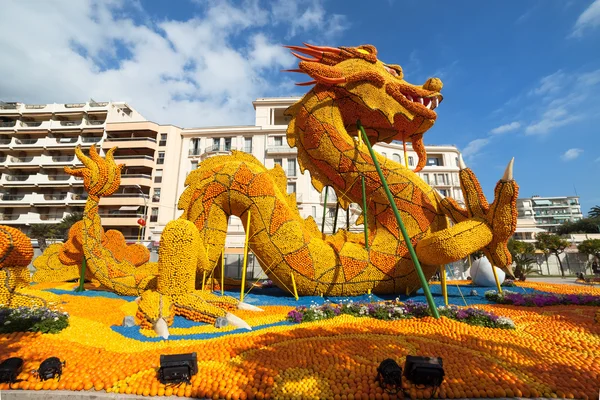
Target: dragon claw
[(461, 162), (161, 328), (248, 307), (237, 321)]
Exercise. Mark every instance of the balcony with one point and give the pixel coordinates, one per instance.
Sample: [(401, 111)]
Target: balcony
[(67, 125), (120, 219), (137, 160), (34, 126), (5, 141), (281, 150), (22, 162), (125, 199), (51, 217), (18, 180), (15, 200), (218, 149), (9, 108), (59, 180), (93, 122), (77, 198), (68, 142), (8, 125), (130, 142), (136, 179)]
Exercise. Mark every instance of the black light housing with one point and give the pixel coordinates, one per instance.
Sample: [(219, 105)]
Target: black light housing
[(10, 369), (424, 370), (389, 376), (50, 368), (177, 368)]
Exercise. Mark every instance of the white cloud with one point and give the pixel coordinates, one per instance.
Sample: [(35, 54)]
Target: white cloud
[(203, 71), (306, 16), (589, 19), (549, 84), (513, 126), (474, 147), (551, 119), (571, 154)]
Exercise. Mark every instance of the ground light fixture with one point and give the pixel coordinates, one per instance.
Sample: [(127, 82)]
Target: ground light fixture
[(50, 368), (389, 376), (10, 369), (427, 371), (177, 368)]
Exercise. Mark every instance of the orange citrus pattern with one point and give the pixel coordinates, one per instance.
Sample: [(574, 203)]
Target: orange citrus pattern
[(553, 352)]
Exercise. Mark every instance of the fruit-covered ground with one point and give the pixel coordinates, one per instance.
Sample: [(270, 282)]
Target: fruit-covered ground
[(553, 352)]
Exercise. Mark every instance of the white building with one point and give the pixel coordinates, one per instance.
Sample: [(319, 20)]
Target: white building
[(550, 212)]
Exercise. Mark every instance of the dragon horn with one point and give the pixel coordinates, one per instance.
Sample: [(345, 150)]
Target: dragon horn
[(332, 81), (305, 58), (325, 49), (306, 83), (293, 70), (310, 52)]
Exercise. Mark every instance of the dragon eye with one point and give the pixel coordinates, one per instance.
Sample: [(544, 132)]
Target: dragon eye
[(394, 70)]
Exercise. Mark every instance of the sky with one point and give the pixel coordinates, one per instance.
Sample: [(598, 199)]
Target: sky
[(521, 77)]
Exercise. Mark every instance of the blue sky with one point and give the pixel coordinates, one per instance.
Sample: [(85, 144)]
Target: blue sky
[(521, 78)]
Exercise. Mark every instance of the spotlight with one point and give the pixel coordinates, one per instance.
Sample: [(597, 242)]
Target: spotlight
[(424, 370), (10, 369), (389, 375), (177, 368), (50, 368)]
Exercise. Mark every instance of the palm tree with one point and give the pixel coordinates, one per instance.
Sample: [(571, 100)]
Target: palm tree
[(41, 232), (594, 212), (66, 224)]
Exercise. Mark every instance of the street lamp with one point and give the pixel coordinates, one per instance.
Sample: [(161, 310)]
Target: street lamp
[(145, 215)]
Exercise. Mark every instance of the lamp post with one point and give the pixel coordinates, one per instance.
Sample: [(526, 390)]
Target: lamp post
[(145, 214)]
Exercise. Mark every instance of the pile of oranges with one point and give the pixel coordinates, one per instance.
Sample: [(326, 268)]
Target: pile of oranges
[(553, 352)]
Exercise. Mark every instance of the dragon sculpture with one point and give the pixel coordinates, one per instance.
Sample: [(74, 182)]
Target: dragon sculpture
[(350, 84)]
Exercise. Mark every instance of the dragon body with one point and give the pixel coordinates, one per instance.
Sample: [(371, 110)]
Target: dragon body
[(350, 84)]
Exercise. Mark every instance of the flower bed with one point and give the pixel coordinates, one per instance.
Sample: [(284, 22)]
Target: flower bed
[(542, 300), (26, 319), (395, 310)]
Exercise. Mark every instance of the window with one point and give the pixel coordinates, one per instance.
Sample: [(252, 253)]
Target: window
[(314, 211), (227, 144), (278, 141), (426, 178), (456, 161), (163, 139), (194, 165), (384, 154), (216, 144), (156, 195), (331, 211), (443, 192), (195, 149), (248, 144), (161, 158), (291, 171), (440, 179), (396, 158), (158, 176), (154, 215), (435, 161), (278, 161), (291, 187), (411, 162)]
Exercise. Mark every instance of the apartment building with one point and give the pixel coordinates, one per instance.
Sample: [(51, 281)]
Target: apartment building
[(36, 142), (550, 212)]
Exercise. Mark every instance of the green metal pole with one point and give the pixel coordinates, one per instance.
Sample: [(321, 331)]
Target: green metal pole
[(337, 210), (348, 218), (411, 249), (81, 288), (364, 196), (324, 210)]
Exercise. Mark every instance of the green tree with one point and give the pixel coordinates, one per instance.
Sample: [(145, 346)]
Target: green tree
[(62, 229), (590, 247), (584, 225), (552, 244), (43, 232), (594, 212), (523, 255)]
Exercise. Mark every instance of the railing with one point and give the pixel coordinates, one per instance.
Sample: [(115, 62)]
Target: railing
[(66, 140), (103, 104), (17, 178), (59, 177), (144, 196), (63, 158), (95, 122), (281, 149), (78, 196), (31, 124), (131, 139), (247, 150), (5, 141), (291, 173), (55, 197), (50, 217), (143, 176), (8, 106), (21, 159), (26, 141), (70, 123), (129, 215), (12, 197), (91, 139), (195, 152), (75, 105), (9, 217), (7, 124), (35, 106), (135, 157), (215, 148)]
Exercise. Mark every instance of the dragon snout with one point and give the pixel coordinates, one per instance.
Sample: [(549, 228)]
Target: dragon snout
[(433, 84)]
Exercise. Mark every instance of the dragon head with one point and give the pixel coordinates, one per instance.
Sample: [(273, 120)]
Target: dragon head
[(373, 92)]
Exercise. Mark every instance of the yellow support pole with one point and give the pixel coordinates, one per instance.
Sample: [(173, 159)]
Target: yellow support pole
[(444, 285), (405, 155), (222, 272), (294, 286), (243, 288), (497, 280), (203, 279)]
